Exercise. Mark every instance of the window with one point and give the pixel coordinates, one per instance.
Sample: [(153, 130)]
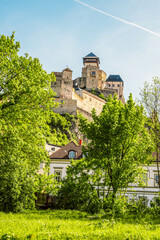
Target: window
[(93, 73), (118, 85), (72, 154), (145, 179), (109, 85), (112, 85), (156, 180), (58, 175), (53, 149)]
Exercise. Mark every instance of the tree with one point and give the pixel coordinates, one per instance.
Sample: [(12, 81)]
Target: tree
[(119, 144), (46, 184), (150, 97), (26, 99), (78, 189)]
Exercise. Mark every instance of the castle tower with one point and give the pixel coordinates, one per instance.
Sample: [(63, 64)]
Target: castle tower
[(90, 71), (115, 82), (92, 76), (91, 59), (63, 85), (67, 84)]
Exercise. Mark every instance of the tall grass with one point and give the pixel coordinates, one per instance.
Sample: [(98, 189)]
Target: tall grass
[(74, 225)]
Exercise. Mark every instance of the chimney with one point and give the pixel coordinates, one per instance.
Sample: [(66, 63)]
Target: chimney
[(80, 142)]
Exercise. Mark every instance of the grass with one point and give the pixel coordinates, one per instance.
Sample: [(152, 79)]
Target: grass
[(58, 224)]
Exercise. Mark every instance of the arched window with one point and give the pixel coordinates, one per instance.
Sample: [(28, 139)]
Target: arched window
[(72, 154)]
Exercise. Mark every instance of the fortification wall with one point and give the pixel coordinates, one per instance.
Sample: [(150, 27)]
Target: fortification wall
[(106, 92), (66, 106), (87, 101)]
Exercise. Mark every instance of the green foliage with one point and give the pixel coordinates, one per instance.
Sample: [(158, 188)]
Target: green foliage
[(62, 129), (78, 191), (150, 98), (98, 93), (25, 102), (120, 205), (46, 184), (137, 205), (102, 96), (155, 206), (119, 143)]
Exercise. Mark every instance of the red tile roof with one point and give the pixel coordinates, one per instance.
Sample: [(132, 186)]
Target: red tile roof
[(63, 153)]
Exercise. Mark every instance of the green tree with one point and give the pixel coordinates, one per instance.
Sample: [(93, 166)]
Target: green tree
[(63, 128), (46, 184), (78, 189), (119, 144), (150, 97), (25, 102)]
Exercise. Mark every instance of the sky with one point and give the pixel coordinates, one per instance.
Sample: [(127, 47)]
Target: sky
[(61, 32)]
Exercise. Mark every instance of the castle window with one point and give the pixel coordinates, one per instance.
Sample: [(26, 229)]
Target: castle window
[(72, 154)]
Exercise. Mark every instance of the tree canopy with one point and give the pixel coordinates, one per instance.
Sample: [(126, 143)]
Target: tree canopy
[(150, 98), (119, 144), (26, 99)]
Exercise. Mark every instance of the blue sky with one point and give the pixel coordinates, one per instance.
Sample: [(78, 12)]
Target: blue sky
[(61, 32)]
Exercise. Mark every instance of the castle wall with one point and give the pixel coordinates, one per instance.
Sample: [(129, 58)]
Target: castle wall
[(106, 92), (87, 101), (66, 106)]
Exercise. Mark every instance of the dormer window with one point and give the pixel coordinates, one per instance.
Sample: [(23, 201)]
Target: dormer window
[(72, 154)]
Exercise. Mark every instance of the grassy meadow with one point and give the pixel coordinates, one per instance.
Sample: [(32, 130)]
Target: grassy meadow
[(58, 224)]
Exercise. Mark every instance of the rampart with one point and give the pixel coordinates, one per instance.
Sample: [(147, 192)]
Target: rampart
[(66, 106), (87, 101)]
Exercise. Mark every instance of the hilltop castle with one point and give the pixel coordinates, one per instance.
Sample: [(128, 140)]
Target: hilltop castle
[(77, 95)]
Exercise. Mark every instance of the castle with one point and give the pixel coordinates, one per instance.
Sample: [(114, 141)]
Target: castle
[(82, 94)]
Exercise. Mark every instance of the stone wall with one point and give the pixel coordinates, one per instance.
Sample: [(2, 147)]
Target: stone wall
[(66, 106), (87, 101)]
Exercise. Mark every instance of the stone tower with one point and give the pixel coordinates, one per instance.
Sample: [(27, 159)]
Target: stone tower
[(64, 84), (92, 76), (115, 82)]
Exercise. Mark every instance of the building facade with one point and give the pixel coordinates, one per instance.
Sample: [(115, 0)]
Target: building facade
[(61, 158)]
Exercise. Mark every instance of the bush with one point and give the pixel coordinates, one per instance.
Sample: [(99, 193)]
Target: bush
[(155, 205), (138, 205), (119, 205), (79, 196)]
